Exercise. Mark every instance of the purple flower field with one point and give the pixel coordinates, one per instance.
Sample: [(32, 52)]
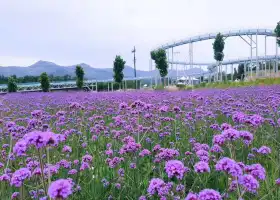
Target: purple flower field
[(202, 145)]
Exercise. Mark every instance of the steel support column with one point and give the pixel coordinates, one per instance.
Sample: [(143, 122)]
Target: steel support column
[(232, 72), (251, 55), (277, 62), (191, 60), (257, 59), (265, 55), (172, 57), (226, 74)]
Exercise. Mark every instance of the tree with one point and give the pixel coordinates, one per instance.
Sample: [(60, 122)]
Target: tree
[(12, 84), (45, 83), (218, 47), (240, 72), (277, 32), (118, 69), (159, 56), (235, 74), (79, 76)]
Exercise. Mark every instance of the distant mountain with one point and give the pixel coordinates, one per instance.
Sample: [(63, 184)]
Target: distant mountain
[(90, 73)]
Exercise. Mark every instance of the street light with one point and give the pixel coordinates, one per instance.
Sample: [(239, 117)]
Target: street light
[(134, 61)]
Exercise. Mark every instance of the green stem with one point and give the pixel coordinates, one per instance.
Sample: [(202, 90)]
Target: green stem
[(42, 171), (10, 150)]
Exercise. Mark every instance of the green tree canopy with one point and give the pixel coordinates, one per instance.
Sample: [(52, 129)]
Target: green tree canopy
[(235, 74), (118, 69), (240, 72), (45, 83), (218, 47), (79, 76), (277, 32), (159, 56), (12, 84)]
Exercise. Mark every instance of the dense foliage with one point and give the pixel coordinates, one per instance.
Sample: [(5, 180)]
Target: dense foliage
[(33, 79), (159, 56), (218, 47), (277, 32), (80, 76), (118, 69), (12, 84), (207, 144), (45, 83)]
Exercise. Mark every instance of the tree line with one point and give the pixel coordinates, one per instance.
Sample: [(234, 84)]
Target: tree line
[(44, 79), (34, 79)]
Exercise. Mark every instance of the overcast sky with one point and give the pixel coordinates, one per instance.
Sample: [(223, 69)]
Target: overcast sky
[(95, 31)]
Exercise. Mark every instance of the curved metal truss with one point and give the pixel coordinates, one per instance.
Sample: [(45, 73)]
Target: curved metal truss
[(231, 33), (249, 36), (229, 62)]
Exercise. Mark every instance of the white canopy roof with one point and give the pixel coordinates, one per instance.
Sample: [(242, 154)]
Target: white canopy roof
[(183, 78)]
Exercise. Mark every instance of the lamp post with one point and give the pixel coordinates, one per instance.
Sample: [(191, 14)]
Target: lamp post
[(134, 62)]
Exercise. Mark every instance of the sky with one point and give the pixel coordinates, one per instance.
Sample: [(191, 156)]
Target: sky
[(69, 32)]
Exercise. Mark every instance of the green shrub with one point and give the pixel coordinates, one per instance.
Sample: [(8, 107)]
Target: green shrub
[(12, 84), (181, 87), (159, 87), (79, 76), (45, 83)]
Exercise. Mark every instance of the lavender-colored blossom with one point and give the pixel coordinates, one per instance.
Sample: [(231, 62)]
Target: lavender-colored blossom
[(231, 134), (192, 196), (180, 188), (247, 137), (167, 154), (230, 166), (67, 149), (264, 150), (60, 189), (249, 183), (20, 148), (219, 139), (132, 165), (201, 167), (84, 166), (15, 195), (256, 170), (216, 149), (19, 176), (142, 198), (209, 194), (144, 152), (277, 181), (158, 186), (72, 171), (87, 158), (175, 168), (5, 177)]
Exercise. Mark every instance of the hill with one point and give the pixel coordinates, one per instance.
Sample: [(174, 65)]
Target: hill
[(90, 73)]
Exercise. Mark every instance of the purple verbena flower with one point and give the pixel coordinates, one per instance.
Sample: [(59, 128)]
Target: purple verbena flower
[(249, 183), (175, 168), (209, 194), (201, 167), (60, 189)]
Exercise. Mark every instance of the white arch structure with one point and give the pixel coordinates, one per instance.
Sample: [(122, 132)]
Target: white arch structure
[(249, 36)]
